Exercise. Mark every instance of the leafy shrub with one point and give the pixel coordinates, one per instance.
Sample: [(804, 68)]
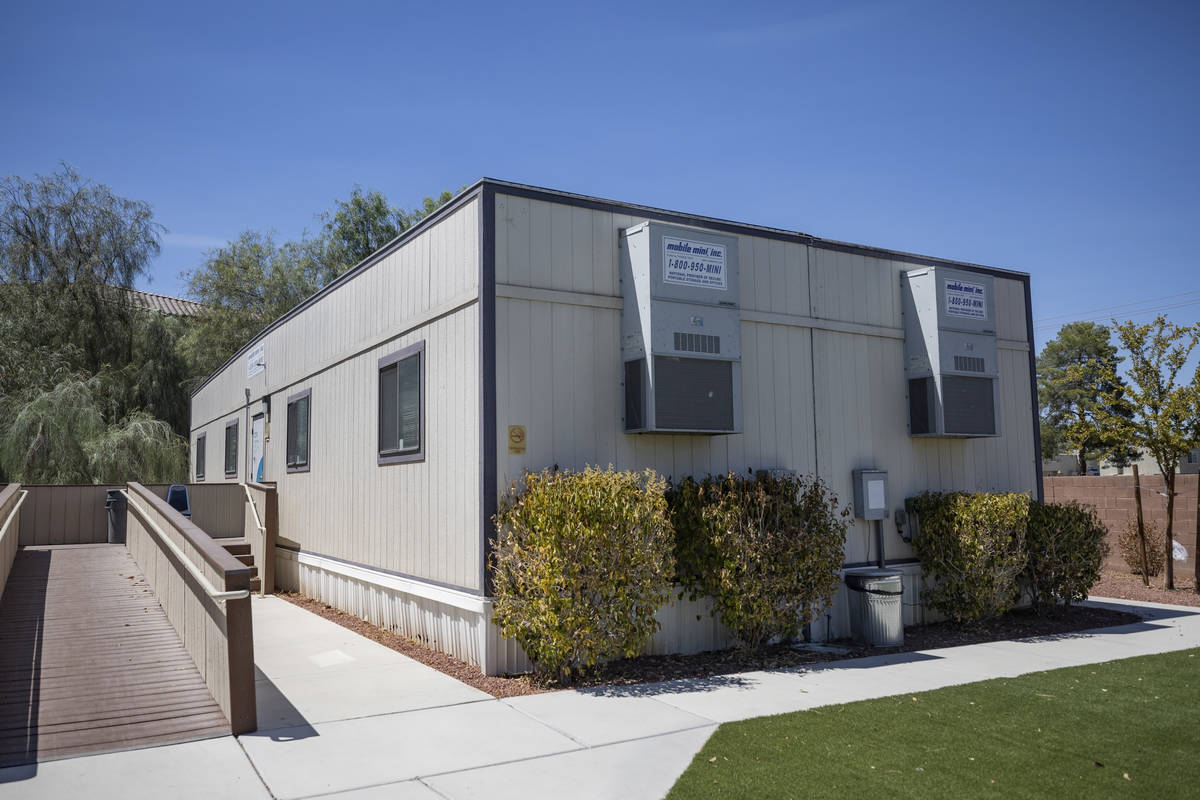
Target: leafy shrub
[(582, 561), (1065, 546), (696, 556), (1131, 548), (767, 549), (973, 547)]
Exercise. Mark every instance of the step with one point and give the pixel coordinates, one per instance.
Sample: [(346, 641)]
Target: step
[(255, 584), (235, 547), (245, 558)]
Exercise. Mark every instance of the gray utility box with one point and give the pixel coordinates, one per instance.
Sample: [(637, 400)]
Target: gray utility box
[(950, 357), (876, 606), (870, 493), (681, 343)]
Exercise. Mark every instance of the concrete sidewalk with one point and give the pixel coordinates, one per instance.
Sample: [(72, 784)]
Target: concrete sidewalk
[(341, 715)]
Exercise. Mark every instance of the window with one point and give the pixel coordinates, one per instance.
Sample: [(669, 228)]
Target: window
[(231, 445), (298, 427), (201, 441), (402, 406)]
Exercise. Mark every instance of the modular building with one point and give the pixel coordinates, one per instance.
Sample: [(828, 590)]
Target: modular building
[(518, 328)]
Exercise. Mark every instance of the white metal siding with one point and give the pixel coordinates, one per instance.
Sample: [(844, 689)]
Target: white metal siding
[(422, 518), (822, 368)]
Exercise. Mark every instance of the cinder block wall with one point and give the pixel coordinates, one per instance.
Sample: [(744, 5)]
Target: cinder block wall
[(1112, 496)]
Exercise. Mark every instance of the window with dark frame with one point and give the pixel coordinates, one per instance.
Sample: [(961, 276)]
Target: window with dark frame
[(298, 428), (231, 448), (201, 441), (402, 406)]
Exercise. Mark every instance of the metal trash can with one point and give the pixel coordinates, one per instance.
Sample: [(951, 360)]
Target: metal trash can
[(876, 607), (115, 503)]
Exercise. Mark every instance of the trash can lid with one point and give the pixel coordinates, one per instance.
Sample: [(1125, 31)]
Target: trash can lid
[(861, 577)]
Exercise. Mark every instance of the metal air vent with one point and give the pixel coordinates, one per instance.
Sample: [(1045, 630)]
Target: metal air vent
[(697, 343)]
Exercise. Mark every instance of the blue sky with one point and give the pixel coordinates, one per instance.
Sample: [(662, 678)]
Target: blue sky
[(1056, 138)]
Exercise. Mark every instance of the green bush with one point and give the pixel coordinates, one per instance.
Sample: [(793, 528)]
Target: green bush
[(1131, 548), (696, 556), (1065, 547), (973, 547), (582, 560), (767, 549)]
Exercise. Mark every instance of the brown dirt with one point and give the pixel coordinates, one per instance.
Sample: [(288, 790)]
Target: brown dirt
[(1128, 586), (649, 669)]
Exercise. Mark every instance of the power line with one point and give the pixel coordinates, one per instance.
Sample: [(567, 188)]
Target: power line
[(1133, 313), (1090, 311)]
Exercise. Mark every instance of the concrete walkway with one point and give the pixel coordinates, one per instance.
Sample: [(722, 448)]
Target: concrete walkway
[(342, 716)]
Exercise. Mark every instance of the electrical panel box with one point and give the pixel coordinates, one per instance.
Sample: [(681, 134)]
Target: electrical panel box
[(870, 493), (681, 341), (950, 355)]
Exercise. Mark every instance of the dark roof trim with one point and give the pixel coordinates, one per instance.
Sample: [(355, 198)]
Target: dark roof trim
[(729, 226), (468, 194), (598, 204)]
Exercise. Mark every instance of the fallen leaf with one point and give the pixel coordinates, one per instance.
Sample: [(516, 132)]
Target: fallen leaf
[(1097, 763), (1126, 776), (712, 760)]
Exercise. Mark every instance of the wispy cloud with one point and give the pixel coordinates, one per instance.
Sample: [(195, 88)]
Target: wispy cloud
[(194, 241)]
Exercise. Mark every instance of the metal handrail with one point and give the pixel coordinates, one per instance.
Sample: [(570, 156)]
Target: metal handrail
[(213, 592), (257, 519), (13, 513)]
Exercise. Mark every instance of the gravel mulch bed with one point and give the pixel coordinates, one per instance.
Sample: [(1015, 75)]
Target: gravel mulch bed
[(1128, 586), (649, 669)]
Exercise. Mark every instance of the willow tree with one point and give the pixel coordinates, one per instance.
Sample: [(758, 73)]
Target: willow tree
[(1164, 401)]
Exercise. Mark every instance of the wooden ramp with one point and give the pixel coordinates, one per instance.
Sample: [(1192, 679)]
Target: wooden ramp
[(89, 662)]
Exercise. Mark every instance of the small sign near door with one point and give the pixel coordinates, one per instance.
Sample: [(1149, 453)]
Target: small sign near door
[(516, 439)]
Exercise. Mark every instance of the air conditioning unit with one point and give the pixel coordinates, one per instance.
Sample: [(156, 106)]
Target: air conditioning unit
[(680, 330), (950, 356)]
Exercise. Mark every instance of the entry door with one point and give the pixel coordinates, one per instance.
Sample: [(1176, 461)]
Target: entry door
[(257, 429)]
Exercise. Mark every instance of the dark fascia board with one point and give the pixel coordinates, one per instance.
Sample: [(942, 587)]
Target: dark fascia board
[(730, 226), (595, 203), (468, 194)]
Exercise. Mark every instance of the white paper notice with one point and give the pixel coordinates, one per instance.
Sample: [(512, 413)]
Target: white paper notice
[(875, 494)]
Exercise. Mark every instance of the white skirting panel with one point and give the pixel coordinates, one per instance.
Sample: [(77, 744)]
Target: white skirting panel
[(459, 624), (445, 620)]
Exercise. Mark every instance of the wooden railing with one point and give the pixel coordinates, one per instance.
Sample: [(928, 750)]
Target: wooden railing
[(192, 577), (261, 526), (64, 515), (11, 499)]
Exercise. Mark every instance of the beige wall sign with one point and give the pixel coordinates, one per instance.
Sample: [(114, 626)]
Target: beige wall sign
[(516, 439)]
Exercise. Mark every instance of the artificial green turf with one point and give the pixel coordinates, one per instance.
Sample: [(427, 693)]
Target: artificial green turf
[(1128, 728)]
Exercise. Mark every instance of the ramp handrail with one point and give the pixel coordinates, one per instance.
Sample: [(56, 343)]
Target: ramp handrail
[(257, 519), (16, 507), (212, 591)]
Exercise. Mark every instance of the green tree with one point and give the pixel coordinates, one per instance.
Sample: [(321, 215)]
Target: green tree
[(1164, 422), (66, 246), (83, 372), (253, 280), (357, 227), (1078, 386), (243, 287)]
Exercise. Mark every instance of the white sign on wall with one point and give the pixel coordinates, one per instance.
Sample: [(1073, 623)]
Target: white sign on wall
[(965, 299), (692, 263), (256, 360)]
